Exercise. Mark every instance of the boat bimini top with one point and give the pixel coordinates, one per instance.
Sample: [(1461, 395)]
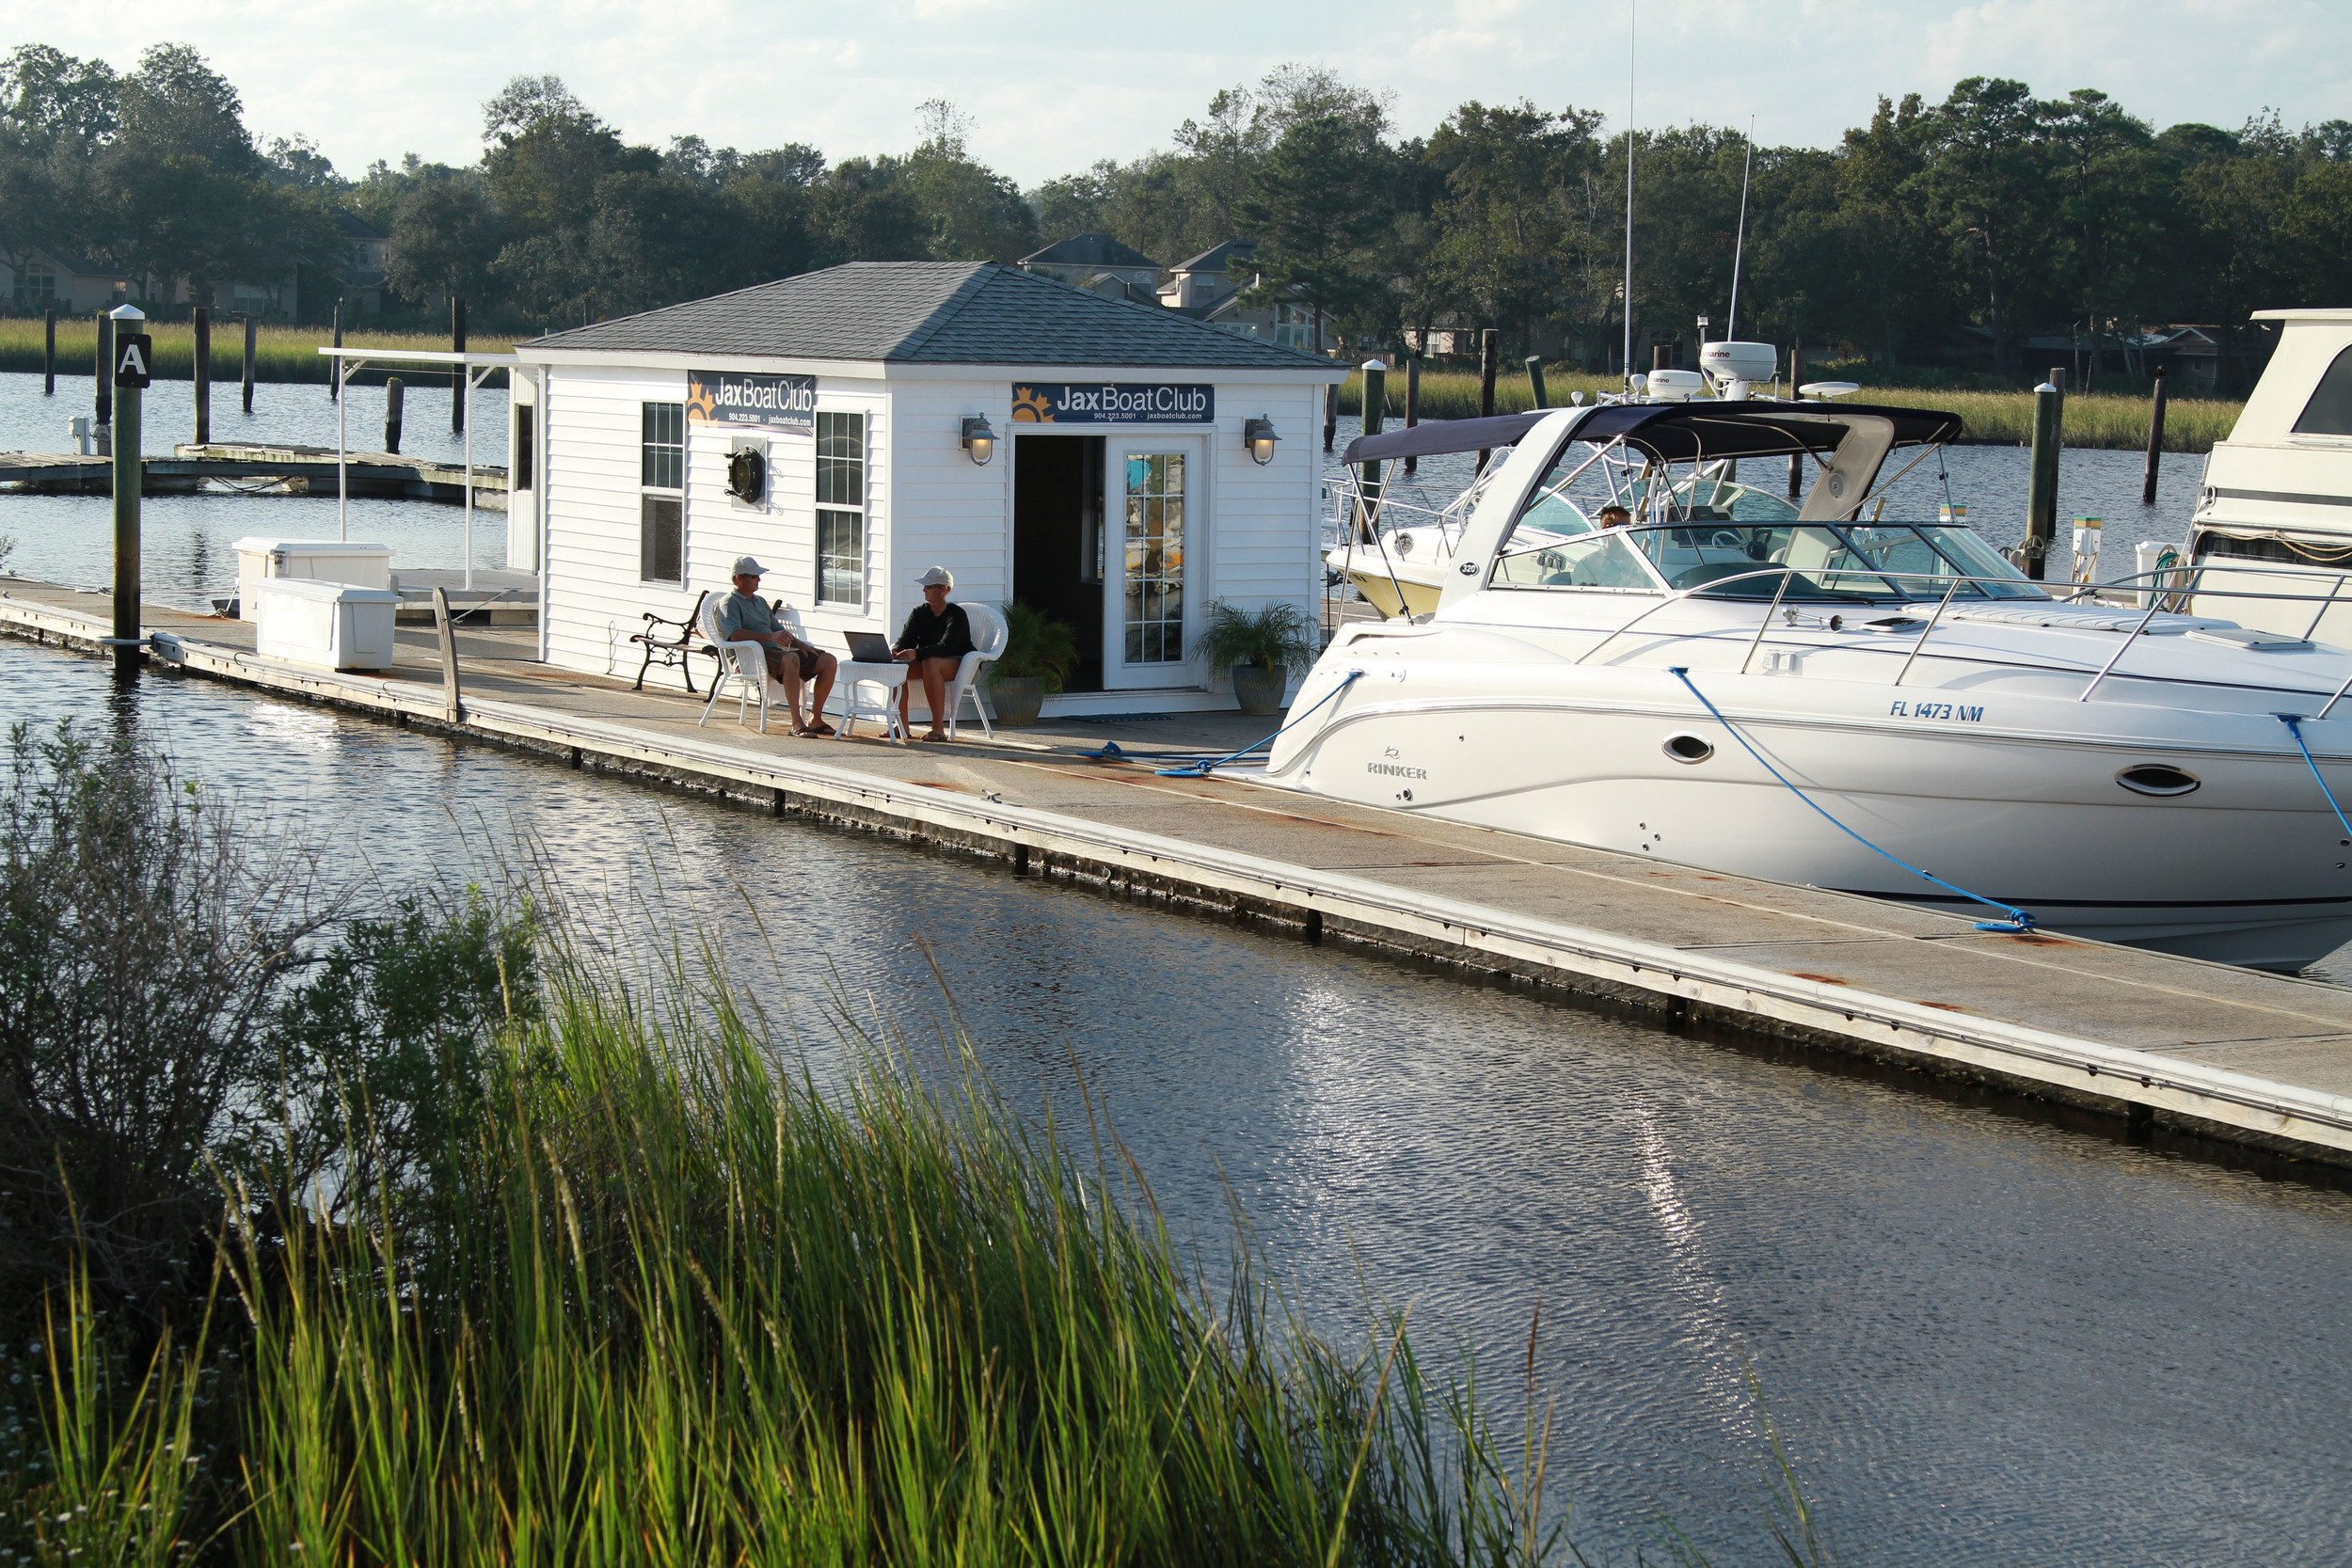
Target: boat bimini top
[(1675, 431), (1848, 444)]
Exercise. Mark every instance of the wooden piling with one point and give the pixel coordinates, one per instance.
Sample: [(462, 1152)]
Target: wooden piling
[(1412, 403), (203, 371), (453, 698), (1661, 356), (1376, 411), (2041, 494), (1489, 351), (393, 393), (1536, 380), (248, 361), (49, 352), (333, 380), (1330, 415), (457, 372), (2155, 441), (103, 396)]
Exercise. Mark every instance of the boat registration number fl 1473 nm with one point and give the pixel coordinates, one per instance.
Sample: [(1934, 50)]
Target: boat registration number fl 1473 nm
[(1950, 712)]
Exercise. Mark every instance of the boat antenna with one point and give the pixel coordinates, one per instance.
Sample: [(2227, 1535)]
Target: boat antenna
[(1631, 10), (1731, 322)]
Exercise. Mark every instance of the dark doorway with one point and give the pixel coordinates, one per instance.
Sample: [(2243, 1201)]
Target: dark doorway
[(1058, 539)]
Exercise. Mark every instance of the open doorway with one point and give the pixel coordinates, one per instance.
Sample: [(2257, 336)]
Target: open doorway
[(1058, 546)]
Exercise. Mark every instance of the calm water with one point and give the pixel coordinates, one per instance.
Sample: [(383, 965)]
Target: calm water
[(1987, 1339), (188, 541)]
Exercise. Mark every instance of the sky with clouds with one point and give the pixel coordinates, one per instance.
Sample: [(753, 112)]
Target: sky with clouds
[(1053, 84)]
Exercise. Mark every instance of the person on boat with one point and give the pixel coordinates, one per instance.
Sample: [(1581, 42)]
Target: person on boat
[(935, 638), (1613, 515), (744, 617)]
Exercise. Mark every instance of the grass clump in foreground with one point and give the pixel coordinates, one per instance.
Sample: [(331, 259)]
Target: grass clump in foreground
[(500, 1262), (2111, 419)]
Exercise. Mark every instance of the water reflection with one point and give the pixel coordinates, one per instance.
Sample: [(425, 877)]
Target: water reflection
[(1983, 1337)]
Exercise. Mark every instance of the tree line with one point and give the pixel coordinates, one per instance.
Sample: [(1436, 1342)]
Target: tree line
[(1937, 234)]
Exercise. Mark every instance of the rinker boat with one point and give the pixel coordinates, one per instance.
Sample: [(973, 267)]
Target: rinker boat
[(1836, 697)]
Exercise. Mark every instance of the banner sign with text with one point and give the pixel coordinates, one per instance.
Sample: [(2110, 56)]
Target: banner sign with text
[(769, 402), (1112, 403)]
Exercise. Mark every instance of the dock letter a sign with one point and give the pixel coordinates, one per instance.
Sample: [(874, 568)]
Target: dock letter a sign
[(135, 360)]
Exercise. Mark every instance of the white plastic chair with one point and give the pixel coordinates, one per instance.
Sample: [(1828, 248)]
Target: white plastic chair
[(743, 666), (989, 636)]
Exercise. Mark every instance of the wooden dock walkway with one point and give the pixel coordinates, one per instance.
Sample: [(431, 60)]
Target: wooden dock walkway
[(283, 470), (2180, 1050)]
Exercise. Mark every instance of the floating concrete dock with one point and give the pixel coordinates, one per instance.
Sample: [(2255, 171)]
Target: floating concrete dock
[(2172, 1047), (282, 469)]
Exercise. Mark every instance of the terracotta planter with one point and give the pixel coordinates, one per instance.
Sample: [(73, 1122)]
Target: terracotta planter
[(1015, 699), (1259, 689)]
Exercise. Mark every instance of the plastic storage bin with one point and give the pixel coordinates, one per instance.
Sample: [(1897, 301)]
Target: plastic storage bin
[(329, 624), (319, 559)]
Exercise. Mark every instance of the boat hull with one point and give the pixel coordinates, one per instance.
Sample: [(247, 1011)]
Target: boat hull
[(2249, 869)]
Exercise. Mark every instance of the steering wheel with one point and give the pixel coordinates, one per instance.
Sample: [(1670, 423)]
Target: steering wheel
[(1726, 539)]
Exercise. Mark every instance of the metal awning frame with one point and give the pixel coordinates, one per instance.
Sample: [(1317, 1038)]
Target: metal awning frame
[(477, 370)]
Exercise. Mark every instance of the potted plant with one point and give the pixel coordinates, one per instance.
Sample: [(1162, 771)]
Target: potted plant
[(1039, 656), (1261, 648)]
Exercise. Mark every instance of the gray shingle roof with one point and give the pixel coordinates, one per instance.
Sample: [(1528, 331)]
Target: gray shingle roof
[(931, 313), (1089, 250)]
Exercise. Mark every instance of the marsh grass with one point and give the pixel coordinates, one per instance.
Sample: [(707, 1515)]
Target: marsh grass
[(279, 352), (668, 1304), (2093, 419)]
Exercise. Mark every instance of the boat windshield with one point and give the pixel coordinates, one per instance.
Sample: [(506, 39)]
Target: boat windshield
[(1857, 562), (1724, 501)]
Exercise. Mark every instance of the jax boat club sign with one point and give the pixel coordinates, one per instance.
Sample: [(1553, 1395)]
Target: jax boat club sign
[(1111, 403), (771, 401)]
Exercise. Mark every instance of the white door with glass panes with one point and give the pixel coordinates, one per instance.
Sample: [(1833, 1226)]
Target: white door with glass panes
[(1156, 507)]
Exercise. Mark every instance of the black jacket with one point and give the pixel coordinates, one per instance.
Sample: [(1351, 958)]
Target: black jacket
[(946, 635)]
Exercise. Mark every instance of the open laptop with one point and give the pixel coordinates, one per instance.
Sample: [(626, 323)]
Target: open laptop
[(869, 647)]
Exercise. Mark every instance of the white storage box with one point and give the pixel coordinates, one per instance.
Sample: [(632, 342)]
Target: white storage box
[(329, 623), (319, 559)]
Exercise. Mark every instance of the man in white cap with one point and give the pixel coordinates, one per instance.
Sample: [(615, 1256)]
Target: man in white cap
[(744, 617), (936, 637)]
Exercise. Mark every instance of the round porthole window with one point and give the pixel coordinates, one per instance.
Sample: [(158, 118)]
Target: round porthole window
[(2157, 777), (747, 474), (1688, 748)]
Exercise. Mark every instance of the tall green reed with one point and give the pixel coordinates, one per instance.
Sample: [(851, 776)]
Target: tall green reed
[(668, 1303), (2107, 420)]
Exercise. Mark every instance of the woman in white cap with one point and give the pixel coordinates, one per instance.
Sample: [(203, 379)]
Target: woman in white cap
[(935, 638)]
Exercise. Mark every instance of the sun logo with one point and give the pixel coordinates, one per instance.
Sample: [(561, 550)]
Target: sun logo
[(700, 404), (1030, 406)]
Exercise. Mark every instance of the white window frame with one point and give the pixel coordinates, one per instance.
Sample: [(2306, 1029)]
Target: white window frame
[(648, 495), (862, 511)]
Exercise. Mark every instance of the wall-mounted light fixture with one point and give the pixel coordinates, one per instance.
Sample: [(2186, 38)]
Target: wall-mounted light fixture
[(1258, 435), (979, 439)]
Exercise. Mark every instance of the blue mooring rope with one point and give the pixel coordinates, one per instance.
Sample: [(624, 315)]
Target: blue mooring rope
[(2019, 920), (2295, 728), (1200, 769)]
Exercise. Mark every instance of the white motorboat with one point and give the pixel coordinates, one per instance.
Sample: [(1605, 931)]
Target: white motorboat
[(2274, 512), (1838, 699)]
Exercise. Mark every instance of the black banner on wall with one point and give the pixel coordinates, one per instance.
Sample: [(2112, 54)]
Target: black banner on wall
[(1112, 403), (766, 402)]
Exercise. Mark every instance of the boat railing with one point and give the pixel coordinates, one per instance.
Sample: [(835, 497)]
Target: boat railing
[(2160, 597)]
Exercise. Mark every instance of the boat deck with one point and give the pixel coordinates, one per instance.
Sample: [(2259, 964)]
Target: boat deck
[(2179, 1047)]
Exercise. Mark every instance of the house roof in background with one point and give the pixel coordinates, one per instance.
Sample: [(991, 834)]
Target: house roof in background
[(931, 313), (1218, 257), (357, 228), (1089, 250)]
